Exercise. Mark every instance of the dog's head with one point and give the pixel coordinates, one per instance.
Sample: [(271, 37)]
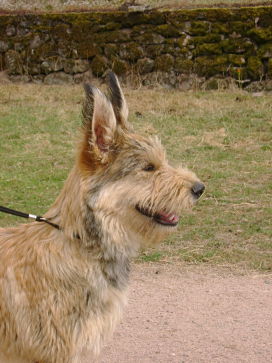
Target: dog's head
[(128, 183)]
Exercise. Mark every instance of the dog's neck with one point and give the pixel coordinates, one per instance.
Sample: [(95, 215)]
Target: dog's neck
[(79, 225), (66, 209), (78, 221)]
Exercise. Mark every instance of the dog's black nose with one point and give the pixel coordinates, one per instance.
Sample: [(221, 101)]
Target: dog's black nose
[(198, 189)]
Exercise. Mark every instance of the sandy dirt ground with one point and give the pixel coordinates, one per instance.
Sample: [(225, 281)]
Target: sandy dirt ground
[(180, 315)]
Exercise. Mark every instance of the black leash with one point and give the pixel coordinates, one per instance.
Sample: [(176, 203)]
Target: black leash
[(25, 215)]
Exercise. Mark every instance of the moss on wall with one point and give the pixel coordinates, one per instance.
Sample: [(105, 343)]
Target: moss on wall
[(207, 42)]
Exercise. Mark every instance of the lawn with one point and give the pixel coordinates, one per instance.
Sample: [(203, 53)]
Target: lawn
[(224, 136)]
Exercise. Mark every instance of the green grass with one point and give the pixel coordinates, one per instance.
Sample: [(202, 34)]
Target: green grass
[(36, 143), (151, 256), (224, 138)]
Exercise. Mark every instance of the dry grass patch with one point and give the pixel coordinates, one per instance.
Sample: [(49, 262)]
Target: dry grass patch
[(228, 144), (70, 5)]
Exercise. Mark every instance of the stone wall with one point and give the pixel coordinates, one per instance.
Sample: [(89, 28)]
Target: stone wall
[(171, 47)]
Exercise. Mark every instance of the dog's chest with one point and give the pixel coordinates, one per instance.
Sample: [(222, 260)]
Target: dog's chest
[(99, 286), (101, 303)]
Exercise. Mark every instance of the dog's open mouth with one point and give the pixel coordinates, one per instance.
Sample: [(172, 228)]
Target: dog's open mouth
[(166, 219)]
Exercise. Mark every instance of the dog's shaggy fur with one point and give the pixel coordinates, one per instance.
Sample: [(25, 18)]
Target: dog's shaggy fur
[(62, 291)]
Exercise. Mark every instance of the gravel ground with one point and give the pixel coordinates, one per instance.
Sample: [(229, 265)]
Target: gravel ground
[(177, 314)]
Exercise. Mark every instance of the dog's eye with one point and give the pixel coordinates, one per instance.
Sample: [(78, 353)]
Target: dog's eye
[(149, 167)]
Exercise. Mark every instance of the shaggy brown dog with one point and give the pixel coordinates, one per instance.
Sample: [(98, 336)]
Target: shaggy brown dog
[(62, 291)]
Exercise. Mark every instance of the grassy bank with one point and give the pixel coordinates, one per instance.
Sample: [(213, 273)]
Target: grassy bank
[(225, 137)]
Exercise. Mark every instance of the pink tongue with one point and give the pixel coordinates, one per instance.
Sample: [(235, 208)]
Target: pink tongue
[(169, 218)]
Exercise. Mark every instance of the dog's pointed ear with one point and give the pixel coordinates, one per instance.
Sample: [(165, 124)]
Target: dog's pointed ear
[(99, 120), (88, 105), (118, 100)]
